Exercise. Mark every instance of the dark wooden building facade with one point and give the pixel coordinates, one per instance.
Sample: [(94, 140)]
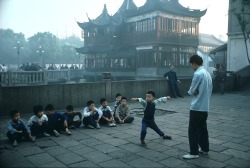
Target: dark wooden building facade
[(141, 42)]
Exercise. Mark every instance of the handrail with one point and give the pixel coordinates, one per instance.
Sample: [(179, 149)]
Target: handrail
[(11, 78)]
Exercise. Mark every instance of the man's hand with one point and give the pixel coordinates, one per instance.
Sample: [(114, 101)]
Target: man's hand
[(167, 78), (178, 81), (40, 123), (134, 99), (196, 93)]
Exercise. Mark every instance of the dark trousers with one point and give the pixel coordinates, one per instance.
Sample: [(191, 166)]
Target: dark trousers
[(58, 126), (91, 120), (37, 129), (151, 124), (173, 88), (197, 132), (106, 114), (127, 120), (222, 86), (74, 123), (18, 136)]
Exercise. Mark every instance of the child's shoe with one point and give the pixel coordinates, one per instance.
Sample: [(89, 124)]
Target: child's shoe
[(98, 126), (67, 132), (56, 134), (72, 127), (143, 144), (167, 137), (46, 135), (14, 143), (32, 139), (90, 127)]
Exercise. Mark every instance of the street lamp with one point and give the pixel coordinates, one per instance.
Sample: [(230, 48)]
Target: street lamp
[(40, 51), (18, 53)]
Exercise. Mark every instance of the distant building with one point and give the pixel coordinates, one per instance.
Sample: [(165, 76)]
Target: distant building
[(207, 43), (236, 51), (141, 42)]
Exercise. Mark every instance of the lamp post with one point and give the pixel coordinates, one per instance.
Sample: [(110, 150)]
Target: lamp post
[(40, 51), (18, 53)]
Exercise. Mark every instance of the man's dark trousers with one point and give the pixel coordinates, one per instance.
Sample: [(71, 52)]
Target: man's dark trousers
[(197, 132)]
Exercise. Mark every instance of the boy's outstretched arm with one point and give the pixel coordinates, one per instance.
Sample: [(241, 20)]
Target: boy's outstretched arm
[(162, 100), (140, 100), (134, 99)]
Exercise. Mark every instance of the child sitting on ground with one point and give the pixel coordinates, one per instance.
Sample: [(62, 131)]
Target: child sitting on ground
[(91, 115), (56, 120), (107, 116), (149, 112), (70, 116), (18, 129), (123, 112), (118, 97), (38, 123)]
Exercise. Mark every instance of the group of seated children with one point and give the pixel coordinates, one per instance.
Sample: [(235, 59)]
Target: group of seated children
[(93, 117), (55, 122)]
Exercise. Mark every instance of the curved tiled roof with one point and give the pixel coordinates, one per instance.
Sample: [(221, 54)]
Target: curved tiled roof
[(168, 6), (209, 40)]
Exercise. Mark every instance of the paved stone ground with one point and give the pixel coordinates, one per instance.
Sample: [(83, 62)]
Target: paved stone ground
[(229, 131)]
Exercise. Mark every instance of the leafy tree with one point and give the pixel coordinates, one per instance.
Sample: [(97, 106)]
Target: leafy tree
[(242, 15), (8, 47), (46, 42)]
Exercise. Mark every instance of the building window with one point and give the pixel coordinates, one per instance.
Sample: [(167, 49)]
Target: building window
[(169, 25), (154, 24)]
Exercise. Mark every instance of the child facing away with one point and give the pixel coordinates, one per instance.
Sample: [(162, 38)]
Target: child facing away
[(118, 97), (107, 116), (149, 112), (18, 129), (123, 113), (91, 115), (38, 123), (56, 120), (70, 116)]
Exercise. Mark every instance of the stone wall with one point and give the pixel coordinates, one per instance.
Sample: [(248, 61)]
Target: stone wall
[(24, 98)]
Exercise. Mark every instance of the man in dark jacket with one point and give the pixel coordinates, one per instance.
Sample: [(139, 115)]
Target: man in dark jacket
[(172, 83)]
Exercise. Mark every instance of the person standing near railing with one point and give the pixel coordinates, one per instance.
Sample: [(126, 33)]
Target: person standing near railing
[(172, 83), (4, 68)]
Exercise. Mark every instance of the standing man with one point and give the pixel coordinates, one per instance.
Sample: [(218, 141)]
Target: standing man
[(200, 90), (172, 83), (222, 78)]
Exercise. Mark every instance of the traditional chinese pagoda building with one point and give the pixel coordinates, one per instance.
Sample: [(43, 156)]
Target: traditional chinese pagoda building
[(141, 42)]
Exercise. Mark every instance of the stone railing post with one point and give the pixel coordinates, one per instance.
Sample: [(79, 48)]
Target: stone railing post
[(9, 74), (106, 77), (45, 78), (69, 75)]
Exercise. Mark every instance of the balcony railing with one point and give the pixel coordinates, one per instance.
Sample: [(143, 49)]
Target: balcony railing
[(162, 37), (12, 78)]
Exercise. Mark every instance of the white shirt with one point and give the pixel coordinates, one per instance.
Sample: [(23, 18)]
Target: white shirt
[(36, 119), (106, 108), (86, 112), (4, 69), (201, 82)]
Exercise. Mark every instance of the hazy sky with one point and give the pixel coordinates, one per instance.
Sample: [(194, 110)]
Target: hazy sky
[(60, 16)]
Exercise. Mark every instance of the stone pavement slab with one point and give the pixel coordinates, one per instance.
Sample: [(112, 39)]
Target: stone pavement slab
[(229, 136)]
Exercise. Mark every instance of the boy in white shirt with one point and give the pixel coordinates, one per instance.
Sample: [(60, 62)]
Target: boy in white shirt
[(38, 123), (92, 115), (107, 116)]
